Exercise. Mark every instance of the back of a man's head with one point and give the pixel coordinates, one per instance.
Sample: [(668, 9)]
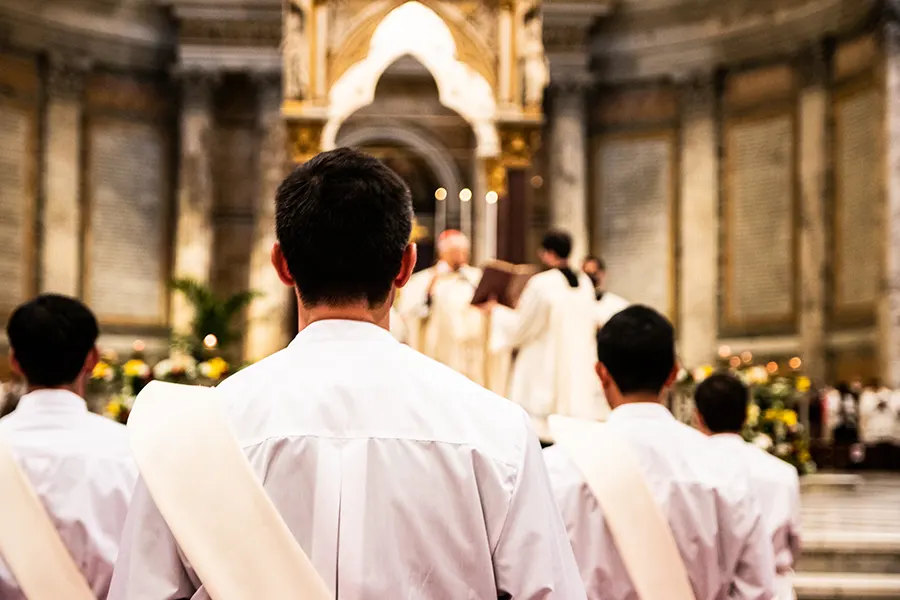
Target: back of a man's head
[(637, 347), (558, 242), (51, 338), (343, 221), (721, 401)]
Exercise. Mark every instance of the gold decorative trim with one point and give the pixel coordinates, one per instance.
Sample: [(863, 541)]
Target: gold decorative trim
[(305, 139), (470, 49)]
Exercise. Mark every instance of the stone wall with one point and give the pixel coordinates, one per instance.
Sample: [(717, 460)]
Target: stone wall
[(749, 205)]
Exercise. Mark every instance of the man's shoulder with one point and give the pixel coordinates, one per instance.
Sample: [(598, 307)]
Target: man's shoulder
[(771, 468)]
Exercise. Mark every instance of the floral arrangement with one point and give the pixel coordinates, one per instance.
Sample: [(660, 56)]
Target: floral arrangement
[(772, 420), (114, 385)]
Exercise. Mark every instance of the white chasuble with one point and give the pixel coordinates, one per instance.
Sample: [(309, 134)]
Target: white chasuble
[(398, 477), (553, 327), (445, 326)]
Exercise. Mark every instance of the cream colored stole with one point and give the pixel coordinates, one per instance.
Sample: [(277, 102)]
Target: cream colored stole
[(636, 523), (29, 543), (215, 506)]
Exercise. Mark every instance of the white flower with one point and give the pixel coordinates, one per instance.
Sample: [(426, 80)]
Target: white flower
[(758, 375), (762, 441), (682, 375), (783, 450)]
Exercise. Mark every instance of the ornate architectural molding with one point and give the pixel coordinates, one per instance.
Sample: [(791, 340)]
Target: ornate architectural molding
[(66, 78), (230, 32), (305, 139), (811, 65)]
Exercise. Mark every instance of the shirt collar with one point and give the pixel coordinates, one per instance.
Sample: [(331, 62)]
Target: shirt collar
[(55, 401), (729, 438), (329, 330), (640, 410)]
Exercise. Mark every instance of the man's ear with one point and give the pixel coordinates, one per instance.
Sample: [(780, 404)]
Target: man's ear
[(673, 376), (407, 265), (91, 361), (602, 373), (281, 266), (14, 364)]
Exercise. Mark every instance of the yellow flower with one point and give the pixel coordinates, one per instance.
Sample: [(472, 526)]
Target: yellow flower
[(136, 368), (214, 368), (101, 370), (752, 414), (703, 373), (803, 384), (789, 418), (114, 409)]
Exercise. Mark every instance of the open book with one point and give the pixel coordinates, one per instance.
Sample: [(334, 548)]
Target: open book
[(503, 282)]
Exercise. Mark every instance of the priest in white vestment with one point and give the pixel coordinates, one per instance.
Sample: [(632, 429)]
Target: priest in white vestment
[(78, 463), (721, 402), (714, 519), (399, 477), (443, 324), (553, 329)]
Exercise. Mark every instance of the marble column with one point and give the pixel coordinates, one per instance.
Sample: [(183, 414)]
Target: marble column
[(61, 235), (813, 139), (889, 310), (568, 165), (483, 241), (194, 230), (268, 314), (698, 303)]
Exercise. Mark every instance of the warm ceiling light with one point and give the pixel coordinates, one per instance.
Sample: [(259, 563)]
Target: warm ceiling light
[(735, 361), (491, 197), (724, 351), (440, 194), (210, 341), (795, 363), (465, 195), (537, 181), (747, 357), (772, 368)]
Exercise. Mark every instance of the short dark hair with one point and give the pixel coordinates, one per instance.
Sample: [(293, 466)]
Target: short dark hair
[(51, 337), (721, 400), (558, 242), (601, 265), (343, 220), (637, 347)]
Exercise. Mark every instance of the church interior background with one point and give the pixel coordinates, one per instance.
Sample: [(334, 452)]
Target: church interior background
[(735, 162)]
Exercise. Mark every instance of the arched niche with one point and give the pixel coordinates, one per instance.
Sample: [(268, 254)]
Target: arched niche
[(416, 30)]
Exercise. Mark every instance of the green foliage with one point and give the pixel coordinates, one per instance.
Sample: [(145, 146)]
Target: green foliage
[(212, 315)]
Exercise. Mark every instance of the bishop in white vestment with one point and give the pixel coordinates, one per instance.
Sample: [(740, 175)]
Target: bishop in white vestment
[(721, 402), (78, 463), (553, 330), (399, 477), (442, 323), (714, 519)]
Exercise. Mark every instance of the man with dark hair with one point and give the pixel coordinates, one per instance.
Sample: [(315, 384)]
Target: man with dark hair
[(721, 401), (608, 303), (716, 524), (552, 328), (78, 463), (399, 477)]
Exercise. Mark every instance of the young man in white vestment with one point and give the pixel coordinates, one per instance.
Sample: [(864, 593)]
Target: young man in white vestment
[(608, 303), (553, 329), (78, 463), (714, 520), (721, 401), (437, 307), (399, 477)]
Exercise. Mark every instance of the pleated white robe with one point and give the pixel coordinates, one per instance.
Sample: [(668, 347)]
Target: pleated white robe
[(553, 328)]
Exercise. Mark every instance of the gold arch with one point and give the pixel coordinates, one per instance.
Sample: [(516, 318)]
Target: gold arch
[(470, 48)]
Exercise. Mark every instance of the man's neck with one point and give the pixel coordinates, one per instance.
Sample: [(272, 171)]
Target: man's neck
[(351, 312), (74, 388), (640, 398)]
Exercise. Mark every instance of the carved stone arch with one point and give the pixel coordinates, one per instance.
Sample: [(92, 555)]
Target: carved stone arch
[(460, 87), (432, 151), (471, 48)]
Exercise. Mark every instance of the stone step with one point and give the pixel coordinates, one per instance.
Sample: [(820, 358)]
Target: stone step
[(850, 552), (846, 586), (831, 482)]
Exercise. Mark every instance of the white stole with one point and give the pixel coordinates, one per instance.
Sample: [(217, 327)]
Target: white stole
[(212, 501), (636, 523), (29, 542)]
